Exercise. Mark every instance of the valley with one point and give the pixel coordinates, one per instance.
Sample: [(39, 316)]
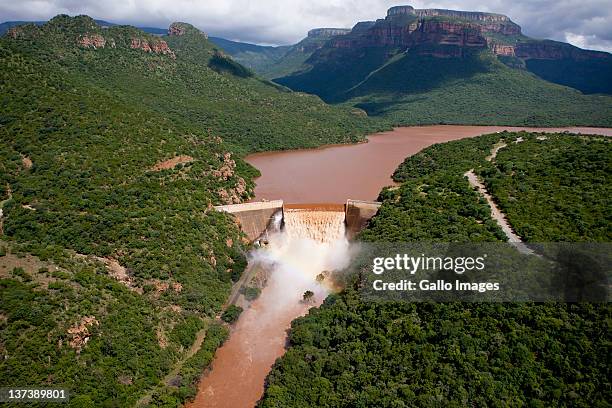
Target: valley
[(124, 278)]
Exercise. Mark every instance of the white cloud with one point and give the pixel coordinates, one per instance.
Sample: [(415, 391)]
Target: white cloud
[(586, 23), (588, 41)]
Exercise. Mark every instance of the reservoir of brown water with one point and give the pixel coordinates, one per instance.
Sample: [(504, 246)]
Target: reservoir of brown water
[(325, 175), (333, 174)]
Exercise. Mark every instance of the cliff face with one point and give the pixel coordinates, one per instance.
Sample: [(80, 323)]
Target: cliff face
[(413, 33), (407, 27)]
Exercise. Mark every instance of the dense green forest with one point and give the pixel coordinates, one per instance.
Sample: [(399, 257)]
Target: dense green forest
[(552, 187), (355, 353), (115, 145), (569, 177)]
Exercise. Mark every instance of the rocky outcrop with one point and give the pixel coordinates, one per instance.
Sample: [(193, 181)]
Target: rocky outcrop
[(233, 195), (154, 46), (226, 170), (179, 29), (328, 32), (79, 333), (15, 32), (502, 49), (94, 41)]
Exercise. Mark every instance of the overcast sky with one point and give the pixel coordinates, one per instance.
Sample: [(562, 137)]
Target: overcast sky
[(585, 23)]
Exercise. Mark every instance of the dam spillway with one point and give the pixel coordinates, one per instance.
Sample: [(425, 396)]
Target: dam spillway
[(322, 225), (257, 218)]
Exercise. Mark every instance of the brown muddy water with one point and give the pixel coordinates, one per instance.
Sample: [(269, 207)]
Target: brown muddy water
[(243, 362), (325, 175), (336, 173)]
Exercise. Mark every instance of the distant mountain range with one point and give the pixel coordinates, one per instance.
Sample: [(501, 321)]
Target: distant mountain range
[(419, 66), (429, 66)]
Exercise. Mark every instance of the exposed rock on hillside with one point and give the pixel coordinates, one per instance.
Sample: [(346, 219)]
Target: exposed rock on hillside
[(94, 41), (79, 333), (179, 29), (154, 46)]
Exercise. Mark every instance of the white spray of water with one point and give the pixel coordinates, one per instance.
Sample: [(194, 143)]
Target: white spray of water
[(310, 243)]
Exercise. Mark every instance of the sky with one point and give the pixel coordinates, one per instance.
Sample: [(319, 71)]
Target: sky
[(584, 23)]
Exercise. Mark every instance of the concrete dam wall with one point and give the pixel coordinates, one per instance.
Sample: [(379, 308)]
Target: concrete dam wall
[(257, 218), (357, 214), (254, 218)]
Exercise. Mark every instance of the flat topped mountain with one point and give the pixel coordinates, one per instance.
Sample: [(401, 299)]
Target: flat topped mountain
[(328, 32), (468, 15)]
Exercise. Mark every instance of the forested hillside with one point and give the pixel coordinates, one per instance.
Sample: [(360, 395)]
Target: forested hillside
[(477, 88), (356, 353), (115, 146)]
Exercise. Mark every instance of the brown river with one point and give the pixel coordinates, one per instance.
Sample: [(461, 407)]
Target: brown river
[(334, 174), (324, 175)]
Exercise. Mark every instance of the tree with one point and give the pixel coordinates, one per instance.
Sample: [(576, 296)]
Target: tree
[(308, 296), (231, 314)]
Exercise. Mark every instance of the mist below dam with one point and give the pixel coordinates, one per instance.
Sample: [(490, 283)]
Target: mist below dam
[(310, 243)]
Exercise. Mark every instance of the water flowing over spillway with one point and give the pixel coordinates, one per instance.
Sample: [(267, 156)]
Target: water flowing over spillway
[(319, 226), (311, 241)]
